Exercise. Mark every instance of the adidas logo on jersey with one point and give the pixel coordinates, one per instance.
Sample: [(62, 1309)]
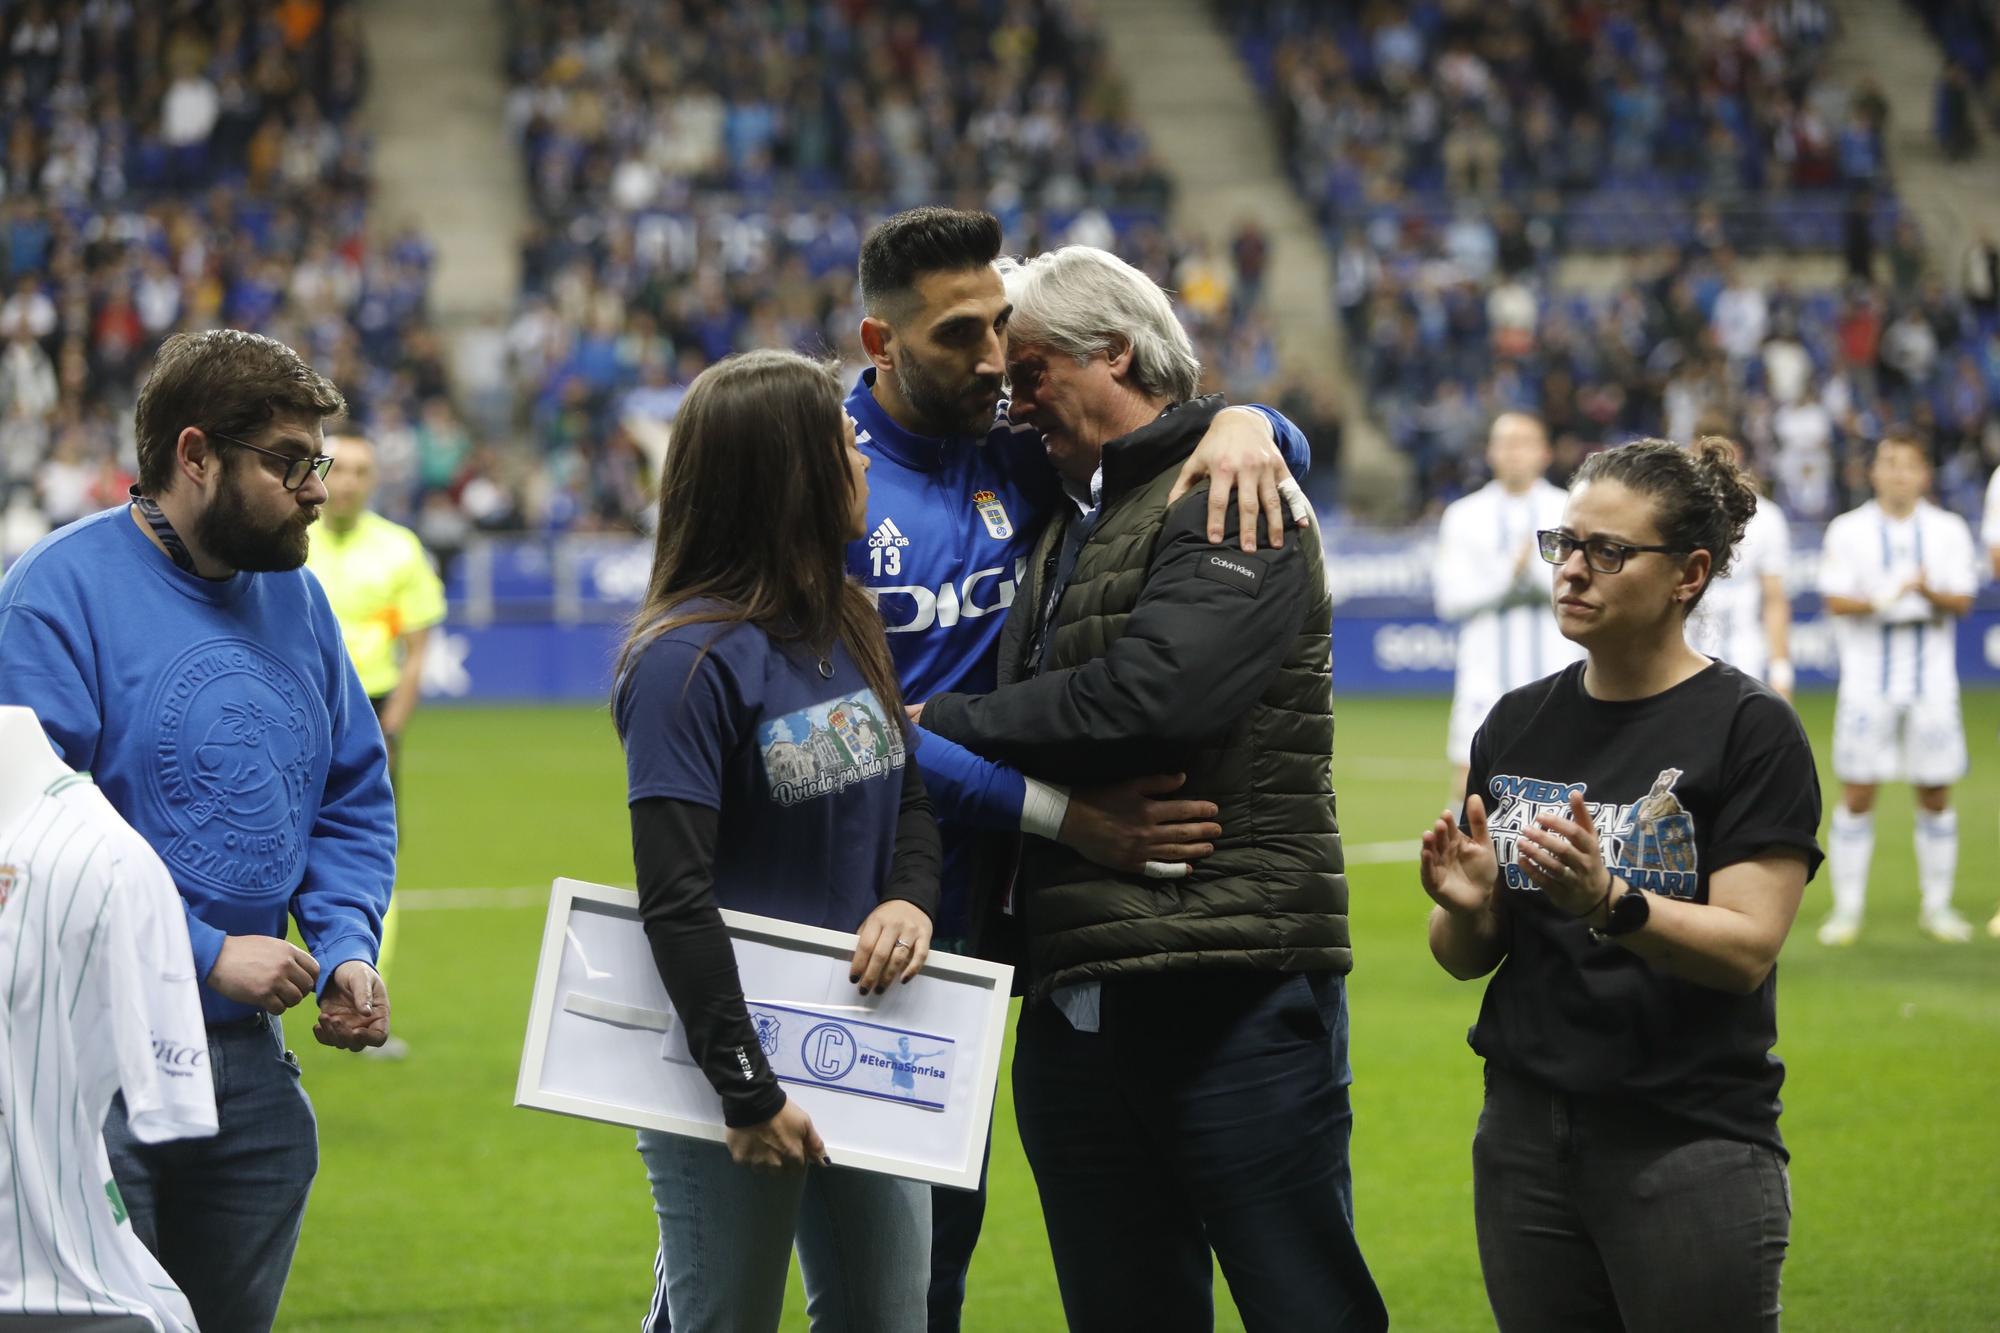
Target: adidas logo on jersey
[(885, 549)]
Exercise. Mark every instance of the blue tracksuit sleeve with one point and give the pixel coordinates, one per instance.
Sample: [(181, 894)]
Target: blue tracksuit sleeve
[(1292, 442), (966, 789), (351, 850), (49, 671)]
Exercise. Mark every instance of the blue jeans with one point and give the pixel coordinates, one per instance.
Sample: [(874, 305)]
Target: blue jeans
[(222, 1214), (726, 1237), (1600, 1213), (1209, 1112)]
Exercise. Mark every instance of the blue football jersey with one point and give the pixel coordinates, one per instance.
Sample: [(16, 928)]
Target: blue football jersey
[(950, 525)]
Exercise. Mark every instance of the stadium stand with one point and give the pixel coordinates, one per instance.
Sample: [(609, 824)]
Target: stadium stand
[(183, 167), (1455, 150), (703, 174)]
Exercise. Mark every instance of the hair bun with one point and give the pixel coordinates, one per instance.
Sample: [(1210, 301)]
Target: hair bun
[(1735, 493)]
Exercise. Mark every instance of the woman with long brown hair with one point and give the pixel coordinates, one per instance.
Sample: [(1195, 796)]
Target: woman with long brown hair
[(767, 772)]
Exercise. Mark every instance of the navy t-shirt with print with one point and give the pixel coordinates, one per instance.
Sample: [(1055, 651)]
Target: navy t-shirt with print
[(804, 769), (1709, 773)]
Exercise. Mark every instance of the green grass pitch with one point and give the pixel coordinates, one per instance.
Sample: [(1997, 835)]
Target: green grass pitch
[(440, 1206)]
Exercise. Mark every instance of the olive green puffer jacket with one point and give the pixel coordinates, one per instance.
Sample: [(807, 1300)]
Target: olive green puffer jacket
[(1167, 654)]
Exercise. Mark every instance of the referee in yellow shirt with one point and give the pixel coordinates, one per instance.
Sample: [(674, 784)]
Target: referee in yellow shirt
[(387, 598)]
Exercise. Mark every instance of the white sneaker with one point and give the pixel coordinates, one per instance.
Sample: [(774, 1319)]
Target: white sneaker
[(1993, 926), (1838, 931), (1945, 926)]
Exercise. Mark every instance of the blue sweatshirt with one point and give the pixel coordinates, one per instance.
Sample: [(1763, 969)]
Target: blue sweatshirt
[(224, 723), (951, 524)]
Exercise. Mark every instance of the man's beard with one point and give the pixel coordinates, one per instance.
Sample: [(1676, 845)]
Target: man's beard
[(941, 410), (227, 533)]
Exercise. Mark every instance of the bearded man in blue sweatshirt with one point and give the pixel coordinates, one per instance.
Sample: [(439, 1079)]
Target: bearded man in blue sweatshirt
[(176, 649)]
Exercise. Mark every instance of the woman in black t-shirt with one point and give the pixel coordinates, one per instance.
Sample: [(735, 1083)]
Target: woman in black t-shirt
[(1638, 833)]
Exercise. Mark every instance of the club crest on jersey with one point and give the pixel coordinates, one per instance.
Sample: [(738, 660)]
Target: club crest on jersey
[(10, 878), (993, 514)]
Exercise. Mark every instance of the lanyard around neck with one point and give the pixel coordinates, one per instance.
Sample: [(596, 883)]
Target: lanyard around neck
[(156, 519)]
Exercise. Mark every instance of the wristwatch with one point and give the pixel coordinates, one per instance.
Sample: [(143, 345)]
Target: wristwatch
[(1629, 913)]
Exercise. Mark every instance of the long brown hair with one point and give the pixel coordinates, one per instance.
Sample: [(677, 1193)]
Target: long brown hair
[(754, 505)]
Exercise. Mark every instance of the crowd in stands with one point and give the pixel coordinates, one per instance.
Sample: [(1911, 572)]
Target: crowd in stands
[(1967, 101), (1601, 117), (1692, 340), (1455, 150), (703, 173), (177, 166)]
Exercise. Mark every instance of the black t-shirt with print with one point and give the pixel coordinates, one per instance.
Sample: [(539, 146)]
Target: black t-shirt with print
[(1714, 771)]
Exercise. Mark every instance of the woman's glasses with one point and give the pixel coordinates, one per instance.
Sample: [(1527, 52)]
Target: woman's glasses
[(1600, 553)]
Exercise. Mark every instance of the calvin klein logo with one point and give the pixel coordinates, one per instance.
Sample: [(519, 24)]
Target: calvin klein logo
[(1236, 573)]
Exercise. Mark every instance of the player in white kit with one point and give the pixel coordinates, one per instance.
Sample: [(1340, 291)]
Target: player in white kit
[(1989, 533), (1491, 581), (1746, 616), (98, 979), (1896, 574)]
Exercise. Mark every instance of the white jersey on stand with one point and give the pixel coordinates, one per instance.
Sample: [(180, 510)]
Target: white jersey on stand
[(1507, 633), (1729, 622), (1906, 650), (100, 995)]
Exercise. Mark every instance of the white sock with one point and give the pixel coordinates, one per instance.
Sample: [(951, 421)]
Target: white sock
[(1937, 856), (1853, 848)]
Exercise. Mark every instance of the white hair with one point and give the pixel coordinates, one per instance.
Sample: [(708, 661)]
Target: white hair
[(1080, 301)]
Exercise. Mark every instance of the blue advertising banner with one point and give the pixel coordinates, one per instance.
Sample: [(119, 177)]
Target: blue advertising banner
[(541, 620)]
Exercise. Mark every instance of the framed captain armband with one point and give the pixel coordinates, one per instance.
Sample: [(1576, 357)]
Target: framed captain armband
[(901, 1083)]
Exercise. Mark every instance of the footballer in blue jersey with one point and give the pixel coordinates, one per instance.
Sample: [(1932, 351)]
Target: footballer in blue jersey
[(957, 495)]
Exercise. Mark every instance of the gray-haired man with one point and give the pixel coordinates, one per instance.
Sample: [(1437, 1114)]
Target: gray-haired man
[(1181, 1070)]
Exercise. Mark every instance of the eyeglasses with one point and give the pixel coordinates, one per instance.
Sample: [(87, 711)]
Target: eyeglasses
[(1600, 553), (296, 469)]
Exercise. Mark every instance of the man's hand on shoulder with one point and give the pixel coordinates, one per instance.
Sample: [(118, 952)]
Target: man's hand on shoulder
[(354, 1008), (264, 971), (1240, 455)]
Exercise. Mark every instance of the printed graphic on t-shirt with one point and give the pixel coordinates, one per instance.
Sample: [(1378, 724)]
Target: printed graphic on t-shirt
[(1648, 843), (1658, 834), (236, 748), (828, 747)]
